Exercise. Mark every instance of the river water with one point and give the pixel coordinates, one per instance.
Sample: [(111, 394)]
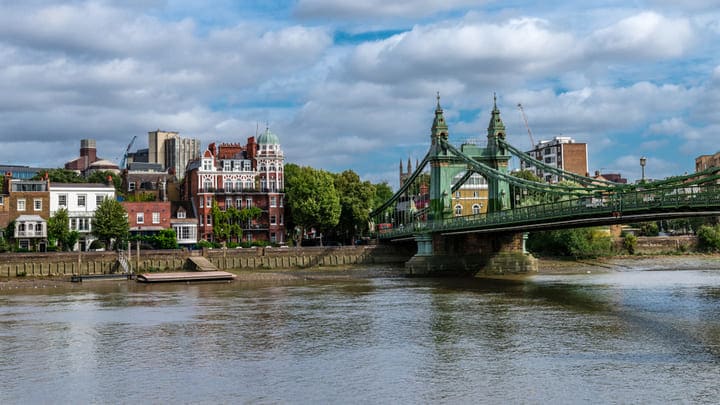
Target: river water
[(622, 337)]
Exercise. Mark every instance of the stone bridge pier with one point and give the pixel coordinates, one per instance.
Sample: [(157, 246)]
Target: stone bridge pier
[(470, 254)]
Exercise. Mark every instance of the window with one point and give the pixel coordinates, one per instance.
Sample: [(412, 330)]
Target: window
[(81, 200), (37, 204), (248, 202), (131, 186), (228, 185), (202, 201), (83, 224), (209, 219), (73, 224), (281, 201), (228, 202), (238, 203), (273, 220), (140, 218), (475, 194), (458, 210), (476, 209), (281, 219), (238, 185), (2, 200), (207, 185), (208, 203), (273, 201), (181, 214), (21, 204), (155, 217), (207, 164), (457, 194), (99, 198), (62, 200), (226, 165), (273, 238)]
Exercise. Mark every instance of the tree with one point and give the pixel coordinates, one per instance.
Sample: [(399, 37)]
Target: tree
[(102, 177), (383, 192), (311, 197), (356, 202), (60, 176), (110, 222), (59, 230)]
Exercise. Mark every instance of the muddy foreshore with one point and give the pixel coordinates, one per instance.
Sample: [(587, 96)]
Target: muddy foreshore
[(545, 266)]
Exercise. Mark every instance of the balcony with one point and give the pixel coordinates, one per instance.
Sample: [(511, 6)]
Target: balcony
[(31, 234)]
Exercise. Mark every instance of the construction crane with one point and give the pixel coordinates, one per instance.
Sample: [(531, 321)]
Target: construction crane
[(123, 162), (532, 142)]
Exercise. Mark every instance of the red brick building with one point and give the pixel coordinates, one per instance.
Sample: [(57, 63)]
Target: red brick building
[(146, 218), (233, 175)]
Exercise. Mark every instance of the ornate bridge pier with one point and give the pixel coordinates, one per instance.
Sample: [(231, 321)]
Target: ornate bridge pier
[(470, 254)]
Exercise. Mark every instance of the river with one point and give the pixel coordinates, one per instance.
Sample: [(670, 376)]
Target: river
[(619, 337)]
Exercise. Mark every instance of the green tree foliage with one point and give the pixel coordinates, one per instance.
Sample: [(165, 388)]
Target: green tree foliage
[(709, 238), (110, 222), (580, 243), (522, 196), (383, 192), (102, 177), (356, 202), (630, 242), (59, 230), (311, 197), (60, 176), (649, 229), (140, 197), (228, 224)]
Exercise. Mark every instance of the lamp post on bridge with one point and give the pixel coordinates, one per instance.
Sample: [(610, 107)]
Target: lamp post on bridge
[(643, 160)]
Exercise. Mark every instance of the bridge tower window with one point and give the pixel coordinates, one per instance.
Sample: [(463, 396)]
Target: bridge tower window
[(476, 209), (458, 210)]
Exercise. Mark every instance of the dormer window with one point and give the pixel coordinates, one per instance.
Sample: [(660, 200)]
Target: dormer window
[(181, 214), (207, 164)]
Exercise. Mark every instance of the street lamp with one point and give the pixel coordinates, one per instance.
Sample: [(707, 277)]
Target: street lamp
[(643, 160)]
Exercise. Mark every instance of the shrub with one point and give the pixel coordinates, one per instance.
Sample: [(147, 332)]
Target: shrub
[(630, 242), (708, 238), (579, 243)]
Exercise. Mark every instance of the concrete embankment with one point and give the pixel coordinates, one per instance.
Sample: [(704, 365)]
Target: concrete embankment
[(259, 258)]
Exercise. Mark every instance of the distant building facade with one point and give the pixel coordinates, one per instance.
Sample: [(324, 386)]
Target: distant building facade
[(81, 200), (562, 152), (26, 203), (704, 162), (89, 161), (233, 175), (171, 151), (148, 218)]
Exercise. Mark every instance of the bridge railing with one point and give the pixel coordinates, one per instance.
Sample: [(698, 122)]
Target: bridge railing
[(611, 204)]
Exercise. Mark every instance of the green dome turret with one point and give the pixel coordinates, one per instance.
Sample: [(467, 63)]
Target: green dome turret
[(268, 138)]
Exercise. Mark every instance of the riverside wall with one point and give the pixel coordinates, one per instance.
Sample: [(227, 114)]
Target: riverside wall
[(258, 258)]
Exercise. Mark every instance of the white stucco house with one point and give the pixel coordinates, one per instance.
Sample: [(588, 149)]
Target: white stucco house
[(80, 200)]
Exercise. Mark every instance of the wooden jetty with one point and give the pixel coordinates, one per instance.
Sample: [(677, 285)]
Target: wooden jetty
[(185, 276)]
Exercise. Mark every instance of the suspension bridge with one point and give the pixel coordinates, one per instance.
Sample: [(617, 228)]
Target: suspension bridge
[(429, 209)]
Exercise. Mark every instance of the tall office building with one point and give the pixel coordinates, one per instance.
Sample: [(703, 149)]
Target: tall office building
[(171, 151)]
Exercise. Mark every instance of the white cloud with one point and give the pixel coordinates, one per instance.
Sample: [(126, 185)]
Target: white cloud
[(642, 36)]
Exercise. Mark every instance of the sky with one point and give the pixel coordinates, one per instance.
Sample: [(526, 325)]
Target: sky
[(348, 84)]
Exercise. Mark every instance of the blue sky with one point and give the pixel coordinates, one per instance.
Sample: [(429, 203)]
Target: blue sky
[(350, 84)]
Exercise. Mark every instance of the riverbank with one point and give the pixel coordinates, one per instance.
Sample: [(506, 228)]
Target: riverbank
[(626, 263), (545, 266)]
